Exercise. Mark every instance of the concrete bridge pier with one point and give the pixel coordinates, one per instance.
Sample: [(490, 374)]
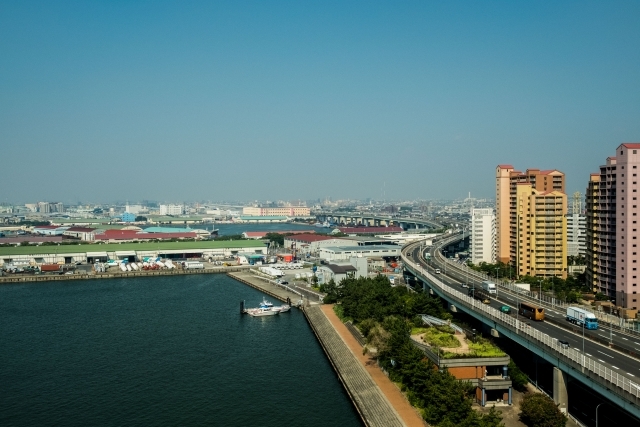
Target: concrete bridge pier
[(560, 395)]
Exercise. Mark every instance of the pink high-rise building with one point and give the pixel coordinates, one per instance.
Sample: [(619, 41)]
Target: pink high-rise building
[(613, 239)]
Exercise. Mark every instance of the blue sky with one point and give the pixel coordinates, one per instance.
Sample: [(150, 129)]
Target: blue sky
[(248, 100)]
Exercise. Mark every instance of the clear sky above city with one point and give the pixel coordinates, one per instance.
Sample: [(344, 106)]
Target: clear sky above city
[(182, 101)]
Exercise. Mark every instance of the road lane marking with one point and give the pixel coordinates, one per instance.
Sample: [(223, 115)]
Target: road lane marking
[(588, 354), (625, 339), (605, 354), (629, 373), (601, 360), (614, 367)]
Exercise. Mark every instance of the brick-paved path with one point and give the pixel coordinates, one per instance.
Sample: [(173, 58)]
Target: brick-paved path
[(394, 396)]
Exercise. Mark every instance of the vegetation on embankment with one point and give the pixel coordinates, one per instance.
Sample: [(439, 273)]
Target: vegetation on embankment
[(386, 316)]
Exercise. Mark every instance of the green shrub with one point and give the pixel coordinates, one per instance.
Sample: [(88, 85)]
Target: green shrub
[(538, 410)]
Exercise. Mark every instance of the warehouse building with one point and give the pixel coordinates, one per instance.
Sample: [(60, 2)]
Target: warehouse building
[(311, 243), (71, 254), (336, 253)]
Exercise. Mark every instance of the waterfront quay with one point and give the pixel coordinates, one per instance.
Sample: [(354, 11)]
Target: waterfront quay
[(378, 401), (115, 274), (280, 292)]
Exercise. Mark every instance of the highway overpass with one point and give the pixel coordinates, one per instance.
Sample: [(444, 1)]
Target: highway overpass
[(607, 372), (372, 220)]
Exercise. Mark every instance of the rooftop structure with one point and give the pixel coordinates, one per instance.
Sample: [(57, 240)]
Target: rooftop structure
[(133, 235)]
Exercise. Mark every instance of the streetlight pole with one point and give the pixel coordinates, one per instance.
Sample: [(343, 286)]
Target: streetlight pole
[(540, 294), (610, 332), (597, 412)]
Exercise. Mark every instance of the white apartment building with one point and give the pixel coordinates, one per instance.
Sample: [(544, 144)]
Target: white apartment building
[(482, 237), (171, 209), (134, 209), (576, 234)]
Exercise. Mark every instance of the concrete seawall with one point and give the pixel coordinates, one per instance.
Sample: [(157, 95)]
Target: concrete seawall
[(115, 275), (279, 293), (373, 407)]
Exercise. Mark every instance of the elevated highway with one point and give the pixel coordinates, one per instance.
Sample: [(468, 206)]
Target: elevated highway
[(372, 220), (608, 372)]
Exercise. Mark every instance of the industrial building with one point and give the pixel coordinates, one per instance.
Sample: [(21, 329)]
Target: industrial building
[(262, 234), (311, 243), (128, 217), (136, 235), (482, 235), (611, 227), (71, 254), (82, 233), (260, 219), (290, 211), (337, 253), (531, 230)]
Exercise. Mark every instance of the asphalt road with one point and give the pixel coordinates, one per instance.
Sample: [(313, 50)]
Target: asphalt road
[(615, 360)]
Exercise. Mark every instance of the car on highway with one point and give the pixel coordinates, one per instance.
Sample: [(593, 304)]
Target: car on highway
[(464, 285), (437, 271), (563, 343), (505, 309)]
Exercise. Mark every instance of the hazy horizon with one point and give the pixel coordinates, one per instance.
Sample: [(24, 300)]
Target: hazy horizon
[(170, 101)]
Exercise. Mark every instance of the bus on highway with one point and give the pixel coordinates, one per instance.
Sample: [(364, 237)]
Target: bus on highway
[(532, 311)]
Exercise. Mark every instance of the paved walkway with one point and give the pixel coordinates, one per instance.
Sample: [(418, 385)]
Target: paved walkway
[(372, 405), (394, 396)]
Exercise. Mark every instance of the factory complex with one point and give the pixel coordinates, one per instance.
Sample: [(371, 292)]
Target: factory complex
[(102, 252)]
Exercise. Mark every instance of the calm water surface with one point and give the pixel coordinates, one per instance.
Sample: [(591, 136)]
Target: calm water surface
[(159, 352)]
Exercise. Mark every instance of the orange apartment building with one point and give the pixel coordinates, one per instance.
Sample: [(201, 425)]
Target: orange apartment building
[(531, 224)]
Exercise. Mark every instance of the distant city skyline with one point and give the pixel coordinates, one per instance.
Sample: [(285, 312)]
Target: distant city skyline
[(104, 101)]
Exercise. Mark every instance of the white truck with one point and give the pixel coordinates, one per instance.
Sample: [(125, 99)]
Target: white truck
[(490, 287), (580, 317), (193, 265)]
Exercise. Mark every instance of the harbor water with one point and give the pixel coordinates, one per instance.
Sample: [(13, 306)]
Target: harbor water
[(159, 351)]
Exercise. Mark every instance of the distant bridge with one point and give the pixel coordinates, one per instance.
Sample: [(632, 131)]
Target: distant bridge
[(372, 220)]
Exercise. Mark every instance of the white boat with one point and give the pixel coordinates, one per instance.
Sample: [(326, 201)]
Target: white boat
[(128, 267), (267, 305), (259, 312), (122, 267), (281, 308)]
